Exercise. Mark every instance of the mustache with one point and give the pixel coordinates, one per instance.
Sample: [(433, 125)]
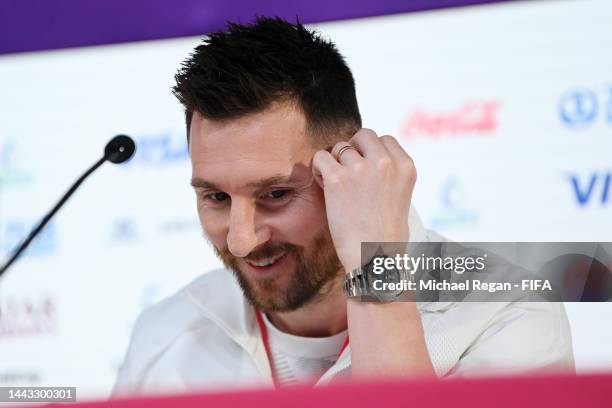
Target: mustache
[(265, 251)]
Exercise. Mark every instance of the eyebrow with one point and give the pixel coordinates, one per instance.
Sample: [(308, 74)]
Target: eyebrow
[(257, 186)]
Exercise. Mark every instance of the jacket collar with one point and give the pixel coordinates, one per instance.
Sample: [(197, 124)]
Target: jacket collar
[(220, 300)]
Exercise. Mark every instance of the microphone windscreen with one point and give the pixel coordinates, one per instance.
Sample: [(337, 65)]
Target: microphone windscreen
[(119, 149)]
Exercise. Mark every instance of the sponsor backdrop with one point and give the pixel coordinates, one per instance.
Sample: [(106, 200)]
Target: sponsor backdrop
[(506, 109)]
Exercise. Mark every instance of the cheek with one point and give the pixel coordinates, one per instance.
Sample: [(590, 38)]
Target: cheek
[(214, 225), (301, 221)]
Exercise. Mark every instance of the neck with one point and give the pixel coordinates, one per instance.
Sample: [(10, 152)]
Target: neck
[(323, 316)]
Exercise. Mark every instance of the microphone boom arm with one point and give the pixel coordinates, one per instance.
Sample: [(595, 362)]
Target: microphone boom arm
[(118, 150)]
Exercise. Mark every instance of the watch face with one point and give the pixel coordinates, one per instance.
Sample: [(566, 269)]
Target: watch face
[(385, 286)]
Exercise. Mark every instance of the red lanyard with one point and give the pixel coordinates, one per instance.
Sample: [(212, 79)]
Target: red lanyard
[(264, 337)]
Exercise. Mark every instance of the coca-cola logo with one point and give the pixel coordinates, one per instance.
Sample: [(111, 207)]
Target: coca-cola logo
[(27, 316), (471, 118)]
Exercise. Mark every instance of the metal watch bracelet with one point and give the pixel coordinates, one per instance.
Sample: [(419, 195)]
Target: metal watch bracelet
[(355, 284)]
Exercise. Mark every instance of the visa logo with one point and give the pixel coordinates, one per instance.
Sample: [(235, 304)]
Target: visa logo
[(595, 187)]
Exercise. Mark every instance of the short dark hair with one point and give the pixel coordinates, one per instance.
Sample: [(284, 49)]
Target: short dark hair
[(247, 67)]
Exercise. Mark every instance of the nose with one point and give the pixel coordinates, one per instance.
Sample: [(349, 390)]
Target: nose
[(244, 234)]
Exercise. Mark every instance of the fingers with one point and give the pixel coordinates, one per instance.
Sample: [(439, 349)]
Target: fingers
[(324, 167), (345, 153), (382, 152), (368, 143), (394, 148), (402, 159), (363, 150)]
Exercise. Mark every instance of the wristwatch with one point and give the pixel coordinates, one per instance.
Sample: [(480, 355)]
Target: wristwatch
[(368, 285)]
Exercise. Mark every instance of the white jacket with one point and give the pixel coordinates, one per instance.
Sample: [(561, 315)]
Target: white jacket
[(205, 337)]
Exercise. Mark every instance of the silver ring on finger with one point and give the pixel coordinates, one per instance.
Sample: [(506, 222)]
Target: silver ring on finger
[(342, 150)]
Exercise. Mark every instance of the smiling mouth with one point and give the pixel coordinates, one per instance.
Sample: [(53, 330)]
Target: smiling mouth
[(262, 263)]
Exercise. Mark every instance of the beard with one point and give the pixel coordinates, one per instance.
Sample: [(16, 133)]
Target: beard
[(313, 269)]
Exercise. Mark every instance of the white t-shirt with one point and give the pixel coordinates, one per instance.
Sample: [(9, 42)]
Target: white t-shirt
[(300, 360)]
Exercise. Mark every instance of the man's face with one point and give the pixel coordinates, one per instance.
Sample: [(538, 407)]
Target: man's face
[(260, 207)]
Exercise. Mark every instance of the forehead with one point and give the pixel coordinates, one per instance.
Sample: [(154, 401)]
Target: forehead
[(234, 153)]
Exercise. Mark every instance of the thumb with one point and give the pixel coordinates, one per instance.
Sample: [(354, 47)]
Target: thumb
[(317, 177), (323, 166)]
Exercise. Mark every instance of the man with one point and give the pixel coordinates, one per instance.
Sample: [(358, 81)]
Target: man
[(288, 185)]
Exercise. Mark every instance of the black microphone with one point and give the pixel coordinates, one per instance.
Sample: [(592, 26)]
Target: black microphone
[(118, 150)]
